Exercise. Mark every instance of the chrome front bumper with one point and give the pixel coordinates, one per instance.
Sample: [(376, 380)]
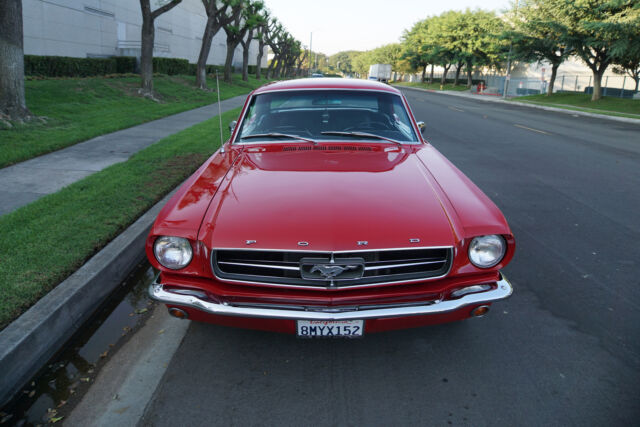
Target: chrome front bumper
[(502, 291)]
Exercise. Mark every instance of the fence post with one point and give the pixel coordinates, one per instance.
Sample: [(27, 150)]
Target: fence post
[(622, 91), (575, 86), (562, 85), (606, 82)]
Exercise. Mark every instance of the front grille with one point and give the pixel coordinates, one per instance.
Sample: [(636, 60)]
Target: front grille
[(318, 269)]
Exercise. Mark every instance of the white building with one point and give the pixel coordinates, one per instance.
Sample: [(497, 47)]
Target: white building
[(103, 28)]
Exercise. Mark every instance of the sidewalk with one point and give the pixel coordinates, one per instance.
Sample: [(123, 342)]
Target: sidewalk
[(487, 98), (28, 181)]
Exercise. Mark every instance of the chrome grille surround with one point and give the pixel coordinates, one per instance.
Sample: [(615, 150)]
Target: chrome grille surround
[(282, 268)]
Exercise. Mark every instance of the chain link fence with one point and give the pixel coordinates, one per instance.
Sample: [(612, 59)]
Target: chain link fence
[(493, 84)]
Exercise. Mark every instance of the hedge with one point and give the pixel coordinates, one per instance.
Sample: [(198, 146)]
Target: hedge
[(171, 66), (252, 70), (64, 66), (211, 69)]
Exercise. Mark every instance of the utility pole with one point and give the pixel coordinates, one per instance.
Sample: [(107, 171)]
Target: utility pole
[(508, 77), (310, 43)]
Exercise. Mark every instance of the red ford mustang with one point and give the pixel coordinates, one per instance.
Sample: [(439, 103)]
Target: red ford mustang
[(327, 214)]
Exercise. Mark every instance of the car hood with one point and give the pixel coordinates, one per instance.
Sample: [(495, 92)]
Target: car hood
[(331, 200)]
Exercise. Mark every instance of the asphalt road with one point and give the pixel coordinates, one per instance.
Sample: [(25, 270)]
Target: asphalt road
[(564, 350)]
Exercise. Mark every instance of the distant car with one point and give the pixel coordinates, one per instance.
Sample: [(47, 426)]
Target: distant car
[(327, 214), (317, 75)]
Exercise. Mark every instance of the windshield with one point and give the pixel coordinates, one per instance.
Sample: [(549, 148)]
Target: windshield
[(326, 114)]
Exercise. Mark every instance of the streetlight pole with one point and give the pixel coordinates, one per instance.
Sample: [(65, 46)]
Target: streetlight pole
[(310, 43), (508, 77)]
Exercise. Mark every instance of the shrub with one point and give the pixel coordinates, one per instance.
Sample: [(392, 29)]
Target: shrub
[(170, 66), (64, 66), (126, 64), (252, 70), (211, 69)]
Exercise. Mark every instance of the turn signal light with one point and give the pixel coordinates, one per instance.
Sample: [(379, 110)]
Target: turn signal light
[(480, 311), (180, 314)]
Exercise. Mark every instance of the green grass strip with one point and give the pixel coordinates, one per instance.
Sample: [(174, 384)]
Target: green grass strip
[(611, 106), (435, 86), (41, 244), (82, 108)]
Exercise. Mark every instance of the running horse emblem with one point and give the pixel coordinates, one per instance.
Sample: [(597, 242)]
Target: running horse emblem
[(330, 271)]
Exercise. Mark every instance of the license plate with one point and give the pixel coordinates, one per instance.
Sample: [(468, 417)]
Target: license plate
[(330, 328)]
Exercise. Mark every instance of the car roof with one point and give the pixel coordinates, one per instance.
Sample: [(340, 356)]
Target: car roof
[(326, 83)]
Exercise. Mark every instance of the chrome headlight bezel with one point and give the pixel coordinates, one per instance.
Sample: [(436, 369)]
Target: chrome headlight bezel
[(179, 247), (487, 251)]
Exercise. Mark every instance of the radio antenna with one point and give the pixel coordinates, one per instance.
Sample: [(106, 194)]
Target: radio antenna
[(219, 114)]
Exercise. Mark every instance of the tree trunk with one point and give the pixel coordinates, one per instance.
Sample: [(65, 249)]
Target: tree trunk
[(458, 69), (431, 75), (552, 80), (259, 60), (229, 61), (12, 100), (637, 80), (597, 84), (270, 68), (278, 68), (424, 73), (146, 52), (443, 81), (245, 56), (245, 64), (205, 48), (469, 74)]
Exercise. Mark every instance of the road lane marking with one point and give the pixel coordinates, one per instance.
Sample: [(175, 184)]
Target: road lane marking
[(456, 109), (531, 129)]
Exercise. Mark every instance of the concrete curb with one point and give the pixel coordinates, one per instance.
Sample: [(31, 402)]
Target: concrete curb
[(526, 104), (32, 339)]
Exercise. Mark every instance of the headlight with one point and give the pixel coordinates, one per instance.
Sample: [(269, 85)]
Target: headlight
[(487, 251), (173, 252)]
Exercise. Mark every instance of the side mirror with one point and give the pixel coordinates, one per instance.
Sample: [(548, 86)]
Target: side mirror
[(422, 126), (232, 125)]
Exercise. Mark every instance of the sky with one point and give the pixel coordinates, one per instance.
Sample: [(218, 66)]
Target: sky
[(339, 25)]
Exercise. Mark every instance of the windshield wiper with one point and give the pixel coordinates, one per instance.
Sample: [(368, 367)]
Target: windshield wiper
[(362, 135), (278, 135)]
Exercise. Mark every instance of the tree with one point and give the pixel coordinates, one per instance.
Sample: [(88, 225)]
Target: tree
[(254, 20), (261, 32), (416, 49), (629, 66), (12, 100), (443, 37), (479, 43), (591, 28), (625, 50), (537, 36), (148, 40), (343, 61), (218, 15), (272, 36), (236, 30)]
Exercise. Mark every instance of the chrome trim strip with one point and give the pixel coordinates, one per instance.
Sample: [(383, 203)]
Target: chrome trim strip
[(278, 267), (380, 267), (502, 291)]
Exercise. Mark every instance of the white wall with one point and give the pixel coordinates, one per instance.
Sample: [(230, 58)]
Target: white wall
[(90, 28)]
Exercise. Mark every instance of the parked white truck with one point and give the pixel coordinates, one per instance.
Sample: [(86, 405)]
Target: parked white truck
[(380, 72)]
